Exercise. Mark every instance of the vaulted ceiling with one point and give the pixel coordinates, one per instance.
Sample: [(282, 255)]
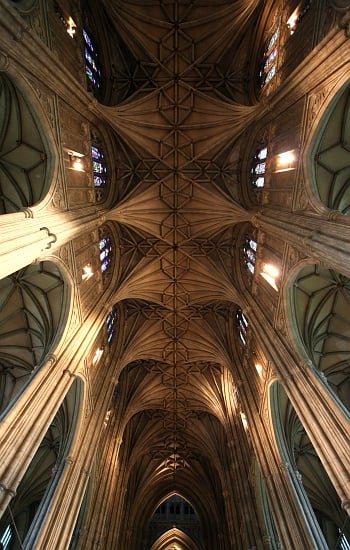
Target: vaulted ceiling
[(180, 231)]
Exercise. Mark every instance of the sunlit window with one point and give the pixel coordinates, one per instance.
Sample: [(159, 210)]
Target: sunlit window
[(242, 325), (92, 65), (249, 250), (111, 323), (295, 17), (258, 168)]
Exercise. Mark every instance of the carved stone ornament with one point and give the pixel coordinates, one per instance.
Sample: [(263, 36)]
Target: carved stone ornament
[(58, 199), (315, 103), (27, 6), (301, 200), (64, 254), (340, 6), (4, 62)]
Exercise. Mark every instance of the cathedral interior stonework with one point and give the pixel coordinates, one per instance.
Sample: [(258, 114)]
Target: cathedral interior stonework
[(174, 274)]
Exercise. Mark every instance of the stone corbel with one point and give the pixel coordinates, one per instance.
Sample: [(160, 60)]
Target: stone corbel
[(342, 7), (51, 235), (4, 62)]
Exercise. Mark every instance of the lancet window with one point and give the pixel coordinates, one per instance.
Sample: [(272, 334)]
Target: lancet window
[(249, 250), (106, 252), (258, 167), (111, 323), (269, 65), (99, 166), (242, 324), (92, 64), (7, 538)]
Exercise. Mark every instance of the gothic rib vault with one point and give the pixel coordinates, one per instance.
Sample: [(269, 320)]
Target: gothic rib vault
[(178, 256), (172, 401)]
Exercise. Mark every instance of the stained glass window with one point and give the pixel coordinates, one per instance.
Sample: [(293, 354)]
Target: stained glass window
[(106, 253), (242, 325), (92, 65), (99, 167), (111, 323), (249, 249), (258, 167), (269, 63), (7, 537)]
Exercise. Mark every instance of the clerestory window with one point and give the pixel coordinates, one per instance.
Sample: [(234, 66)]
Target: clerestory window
[(111, 323), (99, 166), (269, 64), (92, 63), (106, 253), (258, 168), (242, 325), (7, 538), (249, 250)]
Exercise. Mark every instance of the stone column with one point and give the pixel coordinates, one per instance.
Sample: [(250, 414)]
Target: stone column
[(24, 426), (35, 233), (322, 418), (293, 523), (325, 240)]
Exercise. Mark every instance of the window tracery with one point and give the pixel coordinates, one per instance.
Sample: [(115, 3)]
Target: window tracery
[(242, 325), (92, 63), (270, 58), (258, 167), (106, 252), (111, 322), (99, 167), (249, 249), (7, 537)]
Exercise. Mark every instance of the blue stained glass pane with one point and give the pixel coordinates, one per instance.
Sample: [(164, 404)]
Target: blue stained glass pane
[(251, 256), (87, 39), (111, 321), (96, 153), (98, 167), (88, 56), (92, 68), (105, 264), (250, 267), (98, 181)]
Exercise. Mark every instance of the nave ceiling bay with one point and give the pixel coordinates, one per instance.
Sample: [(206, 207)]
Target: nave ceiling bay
[(179, 236)]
